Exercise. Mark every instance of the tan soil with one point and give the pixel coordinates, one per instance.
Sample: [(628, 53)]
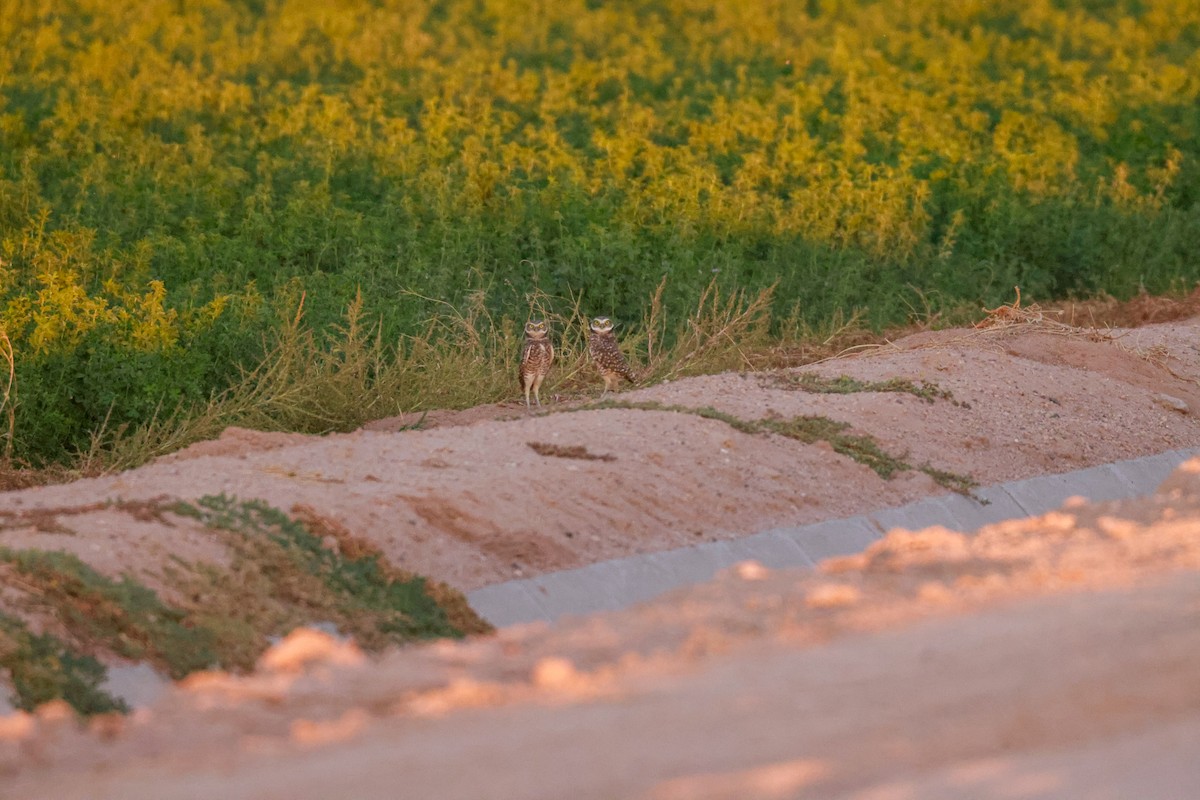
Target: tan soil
[(1045, 658)]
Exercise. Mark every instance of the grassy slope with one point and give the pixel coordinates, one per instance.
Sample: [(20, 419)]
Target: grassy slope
[(282, 572)]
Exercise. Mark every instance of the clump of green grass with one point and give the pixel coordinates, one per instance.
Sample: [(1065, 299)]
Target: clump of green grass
[(120, 615), (844, 384), (962, 484), (43, 668), (860, 447), (809, 429), (350, 585)]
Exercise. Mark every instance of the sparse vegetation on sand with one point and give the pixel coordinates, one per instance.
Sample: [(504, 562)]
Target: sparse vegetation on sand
[(844, 384), (283, 571), (811, 428)]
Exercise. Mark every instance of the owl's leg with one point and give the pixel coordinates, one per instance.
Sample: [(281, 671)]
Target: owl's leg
[(537, 390), (527, 384)]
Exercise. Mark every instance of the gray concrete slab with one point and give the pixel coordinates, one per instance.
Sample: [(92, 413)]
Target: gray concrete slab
[(1146, 474), (769, 547), (620, 583), (139, 685), (508, 603), (605, 586), (697, 564), (574, 591), (968, 515), (1098, 483), (913, 516), (1047, 492), (835, 537)]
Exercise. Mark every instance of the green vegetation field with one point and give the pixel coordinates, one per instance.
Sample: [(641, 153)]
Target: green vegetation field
[(192, 194)]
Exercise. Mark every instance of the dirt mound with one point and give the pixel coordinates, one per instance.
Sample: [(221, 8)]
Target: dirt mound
[(694, 460), (1053, 657), (963, 648)]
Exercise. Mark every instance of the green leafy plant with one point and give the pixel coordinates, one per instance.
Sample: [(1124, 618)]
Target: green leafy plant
[(119, 614), (43, 668)]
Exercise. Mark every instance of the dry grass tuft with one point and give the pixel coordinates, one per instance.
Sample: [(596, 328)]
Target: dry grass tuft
[(8, 400), (723, 332), (1142, 309), (1033, 317), (568, 451)]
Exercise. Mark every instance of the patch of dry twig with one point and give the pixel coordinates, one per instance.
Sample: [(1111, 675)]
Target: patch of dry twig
[(571, 451)]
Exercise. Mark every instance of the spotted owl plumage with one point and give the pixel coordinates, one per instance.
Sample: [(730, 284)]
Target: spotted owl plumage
[(606, 354), (536, 357)]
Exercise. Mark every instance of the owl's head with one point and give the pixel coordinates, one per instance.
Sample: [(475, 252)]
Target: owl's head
[(601, 325), (536, 329)]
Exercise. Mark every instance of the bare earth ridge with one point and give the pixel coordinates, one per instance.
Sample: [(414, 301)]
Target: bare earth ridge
[(1054, 657)]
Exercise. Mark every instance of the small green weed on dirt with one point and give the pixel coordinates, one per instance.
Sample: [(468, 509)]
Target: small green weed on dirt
[(43, 668), (281, 564), (118, 615), (844, 384), (860, 447), (809, 429)]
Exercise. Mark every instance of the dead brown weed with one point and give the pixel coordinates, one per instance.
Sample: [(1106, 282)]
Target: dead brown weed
[(568, 451)]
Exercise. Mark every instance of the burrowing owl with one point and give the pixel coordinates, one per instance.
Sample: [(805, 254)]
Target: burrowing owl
[(606, 355), (536, 358)]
